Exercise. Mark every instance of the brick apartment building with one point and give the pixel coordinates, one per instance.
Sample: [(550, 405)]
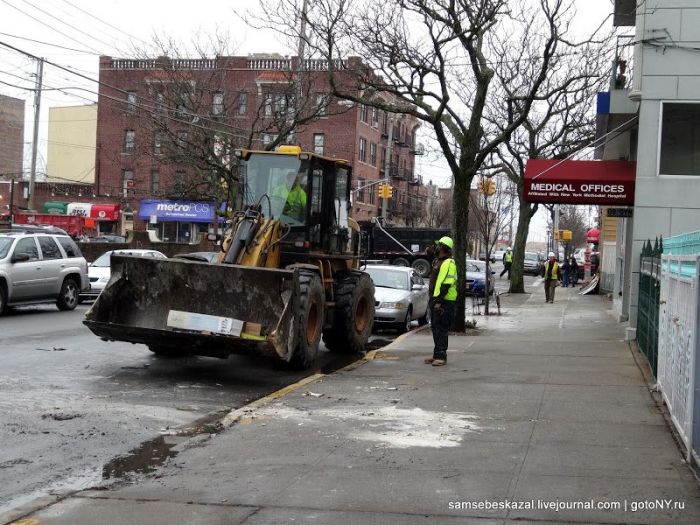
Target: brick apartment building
[(11, 135), (238, 98)]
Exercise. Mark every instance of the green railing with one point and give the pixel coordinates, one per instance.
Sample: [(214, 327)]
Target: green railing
[(648, 310)]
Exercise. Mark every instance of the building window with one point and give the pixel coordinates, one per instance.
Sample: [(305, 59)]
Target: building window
[(319, 140), (128, 183), (160, 102), (129, 141), (268, 105), (361, 190), (242, 103), (372, 190), (181, 140), (131, 102), (385, 123), (680, 139), (364, 113), (157, 144), (155, 181), (268, 138), (217, 105), (375, 117), (373, 154), (179, 180), (321, 104), (363, 150)]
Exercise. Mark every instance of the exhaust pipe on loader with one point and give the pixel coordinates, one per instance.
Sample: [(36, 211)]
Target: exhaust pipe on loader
[(186, 307)]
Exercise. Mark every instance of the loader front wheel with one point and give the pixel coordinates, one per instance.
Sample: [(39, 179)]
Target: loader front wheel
[(354, 314), (312, 307)]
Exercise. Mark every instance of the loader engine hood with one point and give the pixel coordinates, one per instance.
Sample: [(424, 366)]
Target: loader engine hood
[(209, 309)]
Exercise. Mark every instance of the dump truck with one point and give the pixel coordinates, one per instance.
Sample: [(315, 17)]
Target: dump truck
[(287, 275)]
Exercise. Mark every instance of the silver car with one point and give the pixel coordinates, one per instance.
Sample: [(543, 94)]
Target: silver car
[(400, 297), (38, 267), (99, 271)]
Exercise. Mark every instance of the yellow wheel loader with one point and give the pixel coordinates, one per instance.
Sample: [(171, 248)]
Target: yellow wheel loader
[(286, 276)]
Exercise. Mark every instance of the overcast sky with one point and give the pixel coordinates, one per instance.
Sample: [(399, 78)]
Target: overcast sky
[(112, 27)]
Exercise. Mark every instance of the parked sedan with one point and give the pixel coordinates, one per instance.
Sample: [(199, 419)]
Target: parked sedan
[(476, 278), (400, 295), (99, 271)]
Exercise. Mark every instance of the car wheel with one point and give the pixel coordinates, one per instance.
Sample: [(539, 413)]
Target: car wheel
[(400, 261), (406, 325), (68, 296), (425, 319)]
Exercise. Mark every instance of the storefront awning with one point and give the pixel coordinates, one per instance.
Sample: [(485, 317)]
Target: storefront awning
[(55, 207), (177, 211), (608, 182)]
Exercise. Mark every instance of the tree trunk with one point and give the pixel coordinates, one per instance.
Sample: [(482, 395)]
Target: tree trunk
[(460, 233), (517, 281)]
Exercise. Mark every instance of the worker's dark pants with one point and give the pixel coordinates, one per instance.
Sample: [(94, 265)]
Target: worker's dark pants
[(506, 269), (441, 322)]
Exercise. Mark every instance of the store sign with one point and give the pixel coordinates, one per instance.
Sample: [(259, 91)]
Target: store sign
[(620, 212), (580, 182), (183, 211)]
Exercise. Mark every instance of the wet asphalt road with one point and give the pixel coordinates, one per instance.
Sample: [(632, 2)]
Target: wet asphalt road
[(70, 403)]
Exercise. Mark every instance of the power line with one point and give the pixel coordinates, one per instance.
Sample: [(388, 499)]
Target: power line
[(103, 21), (67, 24), (47, 43), (47, 25)]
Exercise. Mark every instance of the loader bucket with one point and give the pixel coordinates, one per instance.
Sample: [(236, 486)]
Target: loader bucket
[(199, 308)]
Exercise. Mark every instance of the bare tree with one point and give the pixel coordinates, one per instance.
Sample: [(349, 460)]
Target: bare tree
[(437, 60), (560, 122)]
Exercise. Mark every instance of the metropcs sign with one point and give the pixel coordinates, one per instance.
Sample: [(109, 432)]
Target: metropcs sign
[(580, 182), (187, 207)]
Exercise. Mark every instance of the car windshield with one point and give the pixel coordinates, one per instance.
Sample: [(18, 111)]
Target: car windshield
[(5, 243), (103, 260), (531, 256), (480, 266), (387, 278), (471, 267)]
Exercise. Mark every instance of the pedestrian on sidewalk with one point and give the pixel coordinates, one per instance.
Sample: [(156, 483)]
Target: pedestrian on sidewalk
[(565, 273), (573, 270), (507, 262), (551, 277), (442, 303)]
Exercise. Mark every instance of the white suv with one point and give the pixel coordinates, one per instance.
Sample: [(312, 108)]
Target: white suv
[(38, 267)]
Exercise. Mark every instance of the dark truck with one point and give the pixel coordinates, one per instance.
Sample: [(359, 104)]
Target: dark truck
[(379, 245)]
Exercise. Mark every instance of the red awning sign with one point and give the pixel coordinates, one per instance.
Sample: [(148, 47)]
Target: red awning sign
[(104, 212), (580, 181)]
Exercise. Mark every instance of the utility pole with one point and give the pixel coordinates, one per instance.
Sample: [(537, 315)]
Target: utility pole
[(35, 138), (387, 161)]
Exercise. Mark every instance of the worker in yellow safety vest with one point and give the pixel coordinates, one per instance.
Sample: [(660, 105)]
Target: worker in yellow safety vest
[(507, 262), (294, 196), (550, 272), (442, 303)]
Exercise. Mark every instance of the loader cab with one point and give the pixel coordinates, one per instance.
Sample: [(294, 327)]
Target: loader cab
[(310, 194)]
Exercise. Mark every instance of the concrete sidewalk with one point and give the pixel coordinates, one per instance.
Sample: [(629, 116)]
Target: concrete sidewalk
[(544, 403)]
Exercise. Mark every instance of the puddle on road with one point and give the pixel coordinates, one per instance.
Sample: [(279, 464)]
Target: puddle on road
[(142, 460)]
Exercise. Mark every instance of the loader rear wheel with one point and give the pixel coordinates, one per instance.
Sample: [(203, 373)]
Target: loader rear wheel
[(312, 302), (354, 314)]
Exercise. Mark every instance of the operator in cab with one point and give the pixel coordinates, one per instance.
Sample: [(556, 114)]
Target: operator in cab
[(294, 195)]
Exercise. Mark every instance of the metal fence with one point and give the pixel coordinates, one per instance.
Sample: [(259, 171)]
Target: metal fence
[(678, 361), (648, 308)]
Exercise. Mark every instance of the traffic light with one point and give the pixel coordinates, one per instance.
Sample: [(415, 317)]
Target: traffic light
[(487, 186), (385, 191), (562, 235)]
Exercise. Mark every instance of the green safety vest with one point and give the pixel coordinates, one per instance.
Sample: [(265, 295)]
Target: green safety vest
[(296, 202), (555, 270), (509, 257), (447, 275)]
